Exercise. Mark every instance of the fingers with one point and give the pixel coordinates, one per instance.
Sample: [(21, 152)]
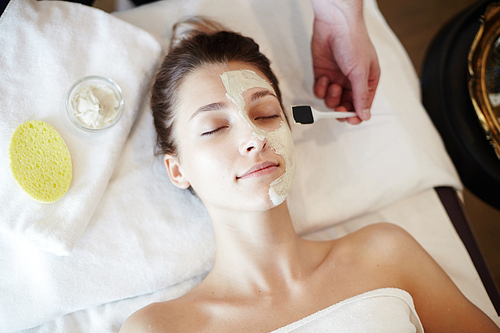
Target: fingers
[(359, 98), (321, 86), (333, 95), (354, 120), (350, 120)]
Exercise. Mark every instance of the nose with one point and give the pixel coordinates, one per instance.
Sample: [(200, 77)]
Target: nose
[(251, 144)]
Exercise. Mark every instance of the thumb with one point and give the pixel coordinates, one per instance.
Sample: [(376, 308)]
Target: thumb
[(361, 95)]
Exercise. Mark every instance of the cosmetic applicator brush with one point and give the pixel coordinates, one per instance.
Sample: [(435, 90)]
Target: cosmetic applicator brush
[(305, 114)]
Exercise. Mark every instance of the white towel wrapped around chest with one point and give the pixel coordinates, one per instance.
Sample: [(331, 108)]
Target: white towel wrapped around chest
[(386, 310)]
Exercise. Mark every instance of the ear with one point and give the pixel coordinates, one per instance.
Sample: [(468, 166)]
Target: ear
[(175, 173)]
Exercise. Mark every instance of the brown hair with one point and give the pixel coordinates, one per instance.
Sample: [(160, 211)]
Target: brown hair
[(197, 42)]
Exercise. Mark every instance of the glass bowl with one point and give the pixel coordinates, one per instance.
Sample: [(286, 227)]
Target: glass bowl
[(95, 103)]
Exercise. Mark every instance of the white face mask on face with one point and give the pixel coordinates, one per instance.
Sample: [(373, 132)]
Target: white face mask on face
[(280, 140)]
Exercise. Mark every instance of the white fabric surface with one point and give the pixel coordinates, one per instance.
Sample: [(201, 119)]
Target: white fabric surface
[(386, 310), (345, 170), (146, 235), (46, 47)]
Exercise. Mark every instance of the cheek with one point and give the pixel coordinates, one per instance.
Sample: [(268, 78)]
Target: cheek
[(207, 168), (282, 143)]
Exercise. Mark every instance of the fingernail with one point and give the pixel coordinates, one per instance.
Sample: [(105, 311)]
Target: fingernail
[(365, 114)]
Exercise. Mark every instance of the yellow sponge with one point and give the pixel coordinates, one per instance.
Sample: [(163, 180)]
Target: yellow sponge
[(40, 161)]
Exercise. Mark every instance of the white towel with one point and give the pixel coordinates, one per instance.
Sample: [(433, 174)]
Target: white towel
[(46, 46), (386, 310)]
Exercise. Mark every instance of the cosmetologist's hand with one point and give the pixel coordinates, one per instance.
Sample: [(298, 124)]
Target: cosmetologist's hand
[(345, 64)]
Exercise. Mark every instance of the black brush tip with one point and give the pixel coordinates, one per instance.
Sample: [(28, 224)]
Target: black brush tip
[(302, 114)]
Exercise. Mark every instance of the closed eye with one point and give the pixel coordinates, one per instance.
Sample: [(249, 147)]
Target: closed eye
[(213, 131), (268, 117)]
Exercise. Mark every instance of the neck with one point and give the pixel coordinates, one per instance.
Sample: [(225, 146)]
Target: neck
[(255, 250)]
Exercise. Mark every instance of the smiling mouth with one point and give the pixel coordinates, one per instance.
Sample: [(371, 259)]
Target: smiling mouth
[(259, 170)]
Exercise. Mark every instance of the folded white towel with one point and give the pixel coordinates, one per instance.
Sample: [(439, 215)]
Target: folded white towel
[(46, 47)]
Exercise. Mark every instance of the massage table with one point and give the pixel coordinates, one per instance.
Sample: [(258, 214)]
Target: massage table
[(123, 236)]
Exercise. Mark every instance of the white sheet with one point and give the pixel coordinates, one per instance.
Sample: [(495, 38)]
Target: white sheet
[(145, 235), (340, 159)]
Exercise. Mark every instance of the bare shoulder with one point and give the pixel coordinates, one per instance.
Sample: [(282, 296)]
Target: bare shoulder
[(390, 253), (440, 304), (394, 250), (376, 255), (385, 241), (171, 316), (384, 230)]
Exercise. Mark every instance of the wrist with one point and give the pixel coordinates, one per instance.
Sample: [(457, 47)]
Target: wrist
[(333, 8)]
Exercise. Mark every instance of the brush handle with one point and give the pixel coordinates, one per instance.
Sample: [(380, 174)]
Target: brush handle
[(334, 114), (342, 114)]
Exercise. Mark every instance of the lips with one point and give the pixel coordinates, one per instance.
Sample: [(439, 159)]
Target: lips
[(259, 169)]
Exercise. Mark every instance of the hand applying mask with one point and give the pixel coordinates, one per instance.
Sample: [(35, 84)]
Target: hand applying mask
[(346, 69)]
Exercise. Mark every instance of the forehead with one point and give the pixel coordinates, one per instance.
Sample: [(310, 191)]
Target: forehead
[(205, 86)]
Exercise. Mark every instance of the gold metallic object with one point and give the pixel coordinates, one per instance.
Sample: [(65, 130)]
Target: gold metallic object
[(484, 70)]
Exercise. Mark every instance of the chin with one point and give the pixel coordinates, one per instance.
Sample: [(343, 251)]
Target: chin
[(266, 203)]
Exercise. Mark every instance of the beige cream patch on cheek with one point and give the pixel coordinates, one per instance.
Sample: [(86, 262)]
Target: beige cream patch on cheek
[(280, 140)]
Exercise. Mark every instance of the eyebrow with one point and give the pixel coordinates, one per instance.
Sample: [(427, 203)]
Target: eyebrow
[(261, 93), (220, 105), (209, 107)]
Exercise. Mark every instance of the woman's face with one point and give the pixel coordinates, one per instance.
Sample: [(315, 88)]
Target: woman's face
[(235, 147)]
